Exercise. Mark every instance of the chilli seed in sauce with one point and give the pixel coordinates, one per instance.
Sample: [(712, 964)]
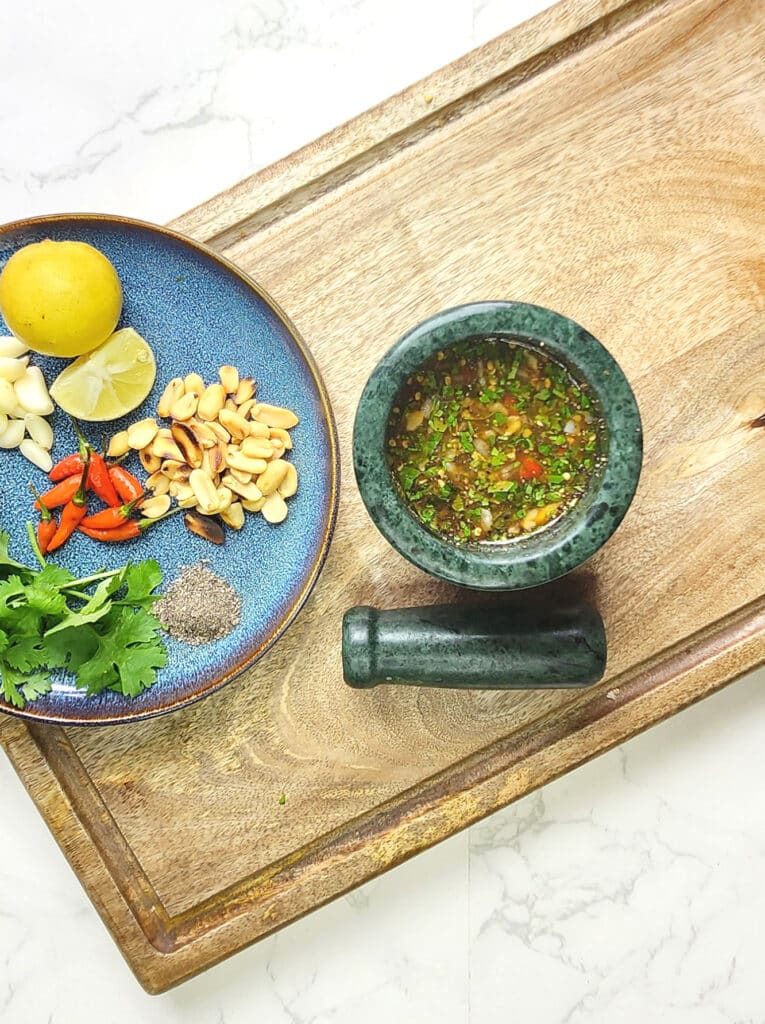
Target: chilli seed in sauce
[(492, 439)]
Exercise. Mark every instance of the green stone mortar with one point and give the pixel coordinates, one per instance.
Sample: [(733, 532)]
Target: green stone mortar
[(548, 553)]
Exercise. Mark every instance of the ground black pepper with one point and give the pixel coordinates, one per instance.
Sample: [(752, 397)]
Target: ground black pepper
[(199, 606)]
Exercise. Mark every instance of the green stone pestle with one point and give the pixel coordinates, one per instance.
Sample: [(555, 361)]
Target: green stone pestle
[(491, 647)]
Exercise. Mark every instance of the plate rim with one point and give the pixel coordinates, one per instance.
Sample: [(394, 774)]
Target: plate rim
[(334, 465)]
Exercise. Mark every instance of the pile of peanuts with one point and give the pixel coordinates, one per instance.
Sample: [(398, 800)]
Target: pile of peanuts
[(222, 454), (24, 404)]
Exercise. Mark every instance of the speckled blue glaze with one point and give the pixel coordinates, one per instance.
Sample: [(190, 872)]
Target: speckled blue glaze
[(197, 311)]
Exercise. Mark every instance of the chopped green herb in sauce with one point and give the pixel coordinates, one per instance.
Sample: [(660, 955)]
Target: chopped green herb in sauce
[(492, 439)]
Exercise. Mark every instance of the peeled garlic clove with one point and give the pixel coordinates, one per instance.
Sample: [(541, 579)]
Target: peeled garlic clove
[(36, 454), (12, 368), (8, 401), (32, 392), (13, 434), (39, 430), (12, 348)]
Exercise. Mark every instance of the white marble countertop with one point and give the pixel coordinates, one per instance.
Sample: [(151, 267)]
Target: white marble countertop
[(630, 891)]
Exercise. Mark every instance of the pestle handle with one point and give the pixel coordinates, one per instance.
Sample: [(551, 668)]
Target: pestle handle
[(481, 647)]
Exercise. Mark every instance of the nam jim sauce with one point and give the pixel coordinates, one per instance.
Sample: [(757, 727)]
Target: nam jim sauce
[(492, 439)]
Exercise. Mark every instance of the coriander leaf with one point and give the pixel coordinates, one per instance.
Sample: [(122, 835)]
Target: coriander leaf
[(72, 648), (10, 686), (133, 627), (26, 653), (432, 442), (44, 596), (407, 477), (141, 579), (5, 559), (4, 640), (22, 620), (36, 685), (81, 618), (98, 673), (138, 666), (10, 588)]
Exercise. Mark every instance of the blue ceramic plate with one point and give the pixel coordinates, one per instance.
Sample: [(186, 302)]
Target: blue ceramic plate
[(197, 311)]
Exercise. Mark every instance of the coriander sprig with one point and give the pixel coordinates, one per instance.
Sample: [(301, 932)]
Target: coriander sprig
[(107, 638)]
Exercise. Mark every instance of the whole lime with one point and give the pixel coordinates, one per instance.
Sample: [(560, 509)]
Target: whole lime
[(60, 298)]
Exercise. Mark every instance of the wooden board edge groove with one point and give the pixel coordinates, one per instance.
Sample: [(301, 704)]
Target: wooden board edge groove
[(168, 934), (347, 152)]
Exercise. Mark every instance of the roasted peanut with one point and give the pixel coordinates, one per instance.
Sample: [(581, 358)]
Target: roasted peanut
[(170, 396), (192, 382), (259, 430), (119, 445), (289, 484), (170, 467), (158, 483), (205, 437), (250, 490), (254, 506), (229, 378), (233, 516), (235, 460), (245, 390), (256, 448), (149, 460), (211, 402), (274, 508), (190, 448), (142, 433), (243, 478), (275, 416), (205, 527), (153, 508), (185, 407), (272, 476), (246, 407), (279, 433), (204, 489), (225, 497), (235, 424), (220, 431), (166, 448), (181, 490)]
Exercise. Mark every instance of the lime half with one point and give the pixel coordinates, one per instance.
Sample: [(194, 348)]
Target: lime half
[(109, 381)]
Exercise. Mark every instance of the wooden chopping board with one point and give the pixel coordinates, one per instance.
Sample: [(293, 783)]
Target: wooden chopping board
[(607, 160)]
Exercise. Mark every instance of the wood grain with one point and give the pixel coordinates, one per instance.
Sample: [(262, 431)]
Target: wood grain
[(605, 160)]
